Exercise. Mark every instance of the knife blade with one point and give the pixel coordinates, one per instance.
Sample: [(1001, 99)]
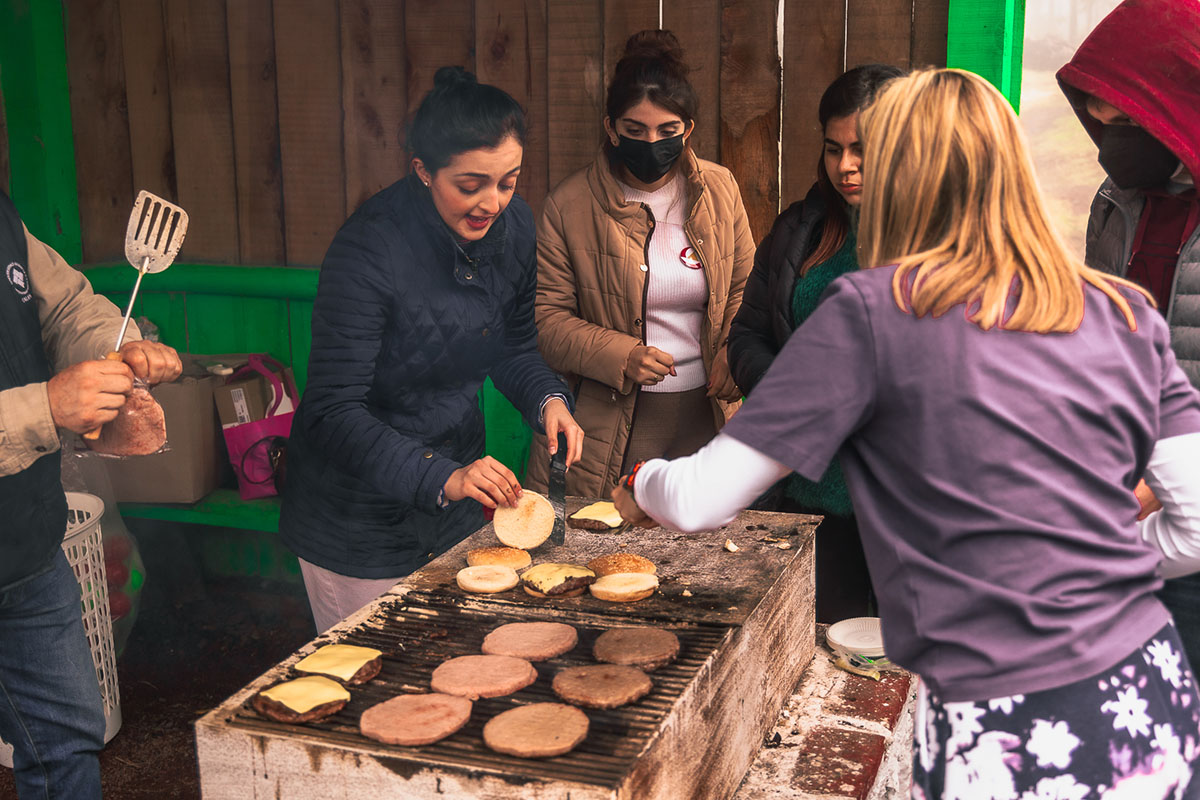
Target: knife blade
[(558, 491)]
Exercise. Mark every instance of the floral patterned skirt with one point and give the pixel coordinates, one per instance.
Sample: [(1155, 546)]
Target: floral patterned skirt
[(1131, 732)]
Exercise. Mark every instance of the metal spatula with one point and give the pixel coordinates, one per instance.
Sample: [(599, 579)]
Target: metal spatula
[(558, 491), (152, 239)]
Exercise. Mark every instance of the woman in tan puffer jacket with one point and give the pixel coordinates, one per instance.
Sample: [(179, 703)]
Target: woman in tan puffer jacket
[(642, 257)]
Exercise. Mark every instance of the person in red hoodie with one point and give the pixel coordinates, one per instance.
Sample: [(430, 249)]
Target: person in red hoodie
[(1135, 85)]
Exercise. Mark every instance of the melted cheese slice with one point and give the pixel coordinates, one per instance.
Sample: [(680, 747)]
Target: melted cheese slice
[(545, 577), (305, 694), (604, 511), (339, 660)]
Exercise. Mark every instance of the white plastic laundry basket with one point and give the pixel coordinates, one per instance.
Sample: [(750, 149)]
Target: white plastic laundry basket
[(84, 547)]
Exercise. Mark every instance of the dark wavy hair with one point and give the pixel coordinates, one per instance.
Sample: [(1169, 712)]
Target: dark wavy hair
[(651, 68), (852, 91), (459, 114)]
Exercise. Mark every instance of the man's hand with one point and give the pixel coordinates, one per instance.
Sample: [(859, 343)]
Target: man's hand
[(556, 418), (648, 365), (486, 480), (628, 508), (87, 395), (151, 361)]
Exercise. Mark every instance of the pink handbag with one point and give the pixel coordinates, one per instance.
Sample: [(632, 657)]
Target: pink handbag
[(258, 449)]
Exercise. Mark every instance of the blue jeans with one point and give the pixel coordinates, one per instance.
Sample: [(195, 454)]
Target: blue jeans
[(51, 711)]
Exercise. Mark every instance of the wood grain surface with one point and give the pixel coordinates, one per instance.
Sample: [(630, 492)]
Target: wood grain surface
[(575, 84), (308, 54), (510, 52), (148, 97), (374, 96), (256, 133), (697, 24), (750, 95), (101, 128), (202, 128), (271, 122)]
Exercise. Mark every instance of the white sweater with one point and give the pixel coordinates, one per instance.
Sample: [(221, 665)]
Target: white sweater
[(676, 295)]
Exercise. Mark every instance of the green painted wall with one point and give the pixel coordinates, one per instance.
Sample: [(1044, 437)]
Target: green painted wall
[(33, 76), (987, 37)]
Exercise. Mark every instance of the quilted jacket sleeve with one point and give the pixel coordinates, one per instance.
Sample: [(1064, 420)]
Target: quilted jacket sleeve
[(751, 341), (570, 343), (350, 317), (522, 375)]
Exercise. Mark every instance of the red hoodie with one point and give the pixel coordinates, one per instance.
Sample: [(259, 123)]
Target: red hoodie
[(1144, 58)]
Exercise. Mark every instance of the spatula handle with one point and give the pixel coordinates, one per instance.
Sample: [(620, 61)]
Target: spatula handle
[(93, 435)]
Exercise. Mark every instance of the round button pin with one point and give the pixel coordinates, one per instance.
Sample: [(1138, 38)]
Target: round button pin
[(689, 258)]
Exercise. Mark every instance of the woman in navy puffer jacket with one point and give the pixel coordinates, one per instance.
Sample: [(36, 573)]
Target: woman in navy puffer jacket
[(427, 290)]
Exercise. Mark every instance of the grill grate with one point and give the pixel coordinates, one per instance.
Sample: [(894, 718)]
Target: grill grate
[(421, 630)]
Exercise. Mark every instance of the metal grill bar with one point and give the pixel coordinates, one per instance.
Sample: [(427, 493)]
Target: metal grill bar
[(419, 631)]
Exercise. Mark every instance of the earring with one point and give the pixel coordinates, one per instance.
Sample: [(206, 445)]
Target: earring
[(426, 184)]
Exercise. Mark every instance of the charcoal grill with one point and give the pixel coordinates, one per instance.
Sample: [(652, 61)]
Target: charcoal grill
[(746, 632)]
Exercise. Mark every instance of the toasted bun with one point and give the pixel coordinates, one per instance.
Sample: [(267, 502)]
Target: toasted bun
[(487, 579), (621, 562), (526, 525), (624, 587), (498, 556)]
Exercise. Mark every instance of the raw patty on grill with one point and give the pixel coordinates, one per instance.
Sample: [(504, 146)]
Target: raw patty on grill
[(648, 648), (601, 685), (474, 677), (539, 730), (415, 719), (139, 428), (534, 641)]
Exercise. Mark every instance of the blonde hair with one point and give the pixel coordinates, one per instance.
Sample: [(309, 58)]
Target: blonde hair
[(950, 196)]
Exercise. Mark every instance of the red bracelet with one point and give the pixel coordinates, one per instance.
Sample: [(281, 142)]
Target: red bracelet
[(627, 480)]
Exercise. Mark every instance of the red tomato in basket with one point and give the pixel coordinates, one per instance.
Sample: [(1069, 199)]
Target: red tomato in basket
[(118, 573), (119, 604), (117, 548)]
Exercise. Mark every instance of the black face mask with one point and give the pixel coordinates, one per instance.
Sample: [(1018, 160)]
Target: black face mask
[(1134, 159), (649, 161)]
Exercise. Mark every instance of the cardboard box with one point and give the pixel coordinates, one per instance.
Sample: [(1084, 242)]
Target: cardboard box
[(248, 398), (195, 463)]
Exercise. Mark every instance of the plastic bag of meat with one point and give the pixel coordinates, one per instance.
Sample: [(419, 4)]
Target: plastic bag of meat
[(140, 429)]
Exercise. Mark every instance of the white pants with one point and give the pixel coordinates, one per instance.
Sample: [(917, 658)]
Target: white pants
[(333, 597)]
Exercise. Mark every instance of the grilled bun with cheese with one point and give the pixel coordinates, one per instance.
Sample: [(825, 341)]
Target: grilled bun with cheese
[(557, 580)]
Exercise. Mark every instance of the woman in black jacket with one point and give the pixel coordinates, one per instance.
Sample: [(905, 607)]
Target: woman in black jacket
[(426, 290), (811, 244)]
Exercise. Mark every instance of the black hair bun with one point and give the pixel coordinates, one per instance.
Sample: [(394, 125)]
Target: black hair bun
[(453, 77), (655, 44)]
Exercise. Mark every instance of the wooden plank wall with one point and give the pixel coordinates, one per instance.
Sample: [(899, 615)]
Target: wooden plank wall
[(272, 120)]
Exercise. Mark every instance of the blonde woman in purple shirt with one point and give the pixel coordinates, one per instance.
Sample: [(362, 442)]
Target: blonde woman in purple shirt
[(993, 403)]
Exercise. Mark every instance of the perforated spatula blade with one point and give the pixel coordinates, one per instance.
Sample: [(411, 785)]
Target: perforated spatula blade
[(152, 239)]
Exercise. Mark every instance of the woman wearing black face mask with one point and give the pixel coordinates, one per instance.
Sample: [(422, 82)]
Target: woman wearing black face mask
[(642, 257)]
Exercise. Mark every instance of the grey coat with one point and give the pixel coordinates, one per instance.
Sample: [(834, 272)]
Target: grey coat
[(1113, 220)]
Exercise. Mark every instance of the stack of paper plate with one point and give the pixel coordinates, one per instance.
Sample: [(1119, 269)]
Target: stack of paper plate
[(858, 636)]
